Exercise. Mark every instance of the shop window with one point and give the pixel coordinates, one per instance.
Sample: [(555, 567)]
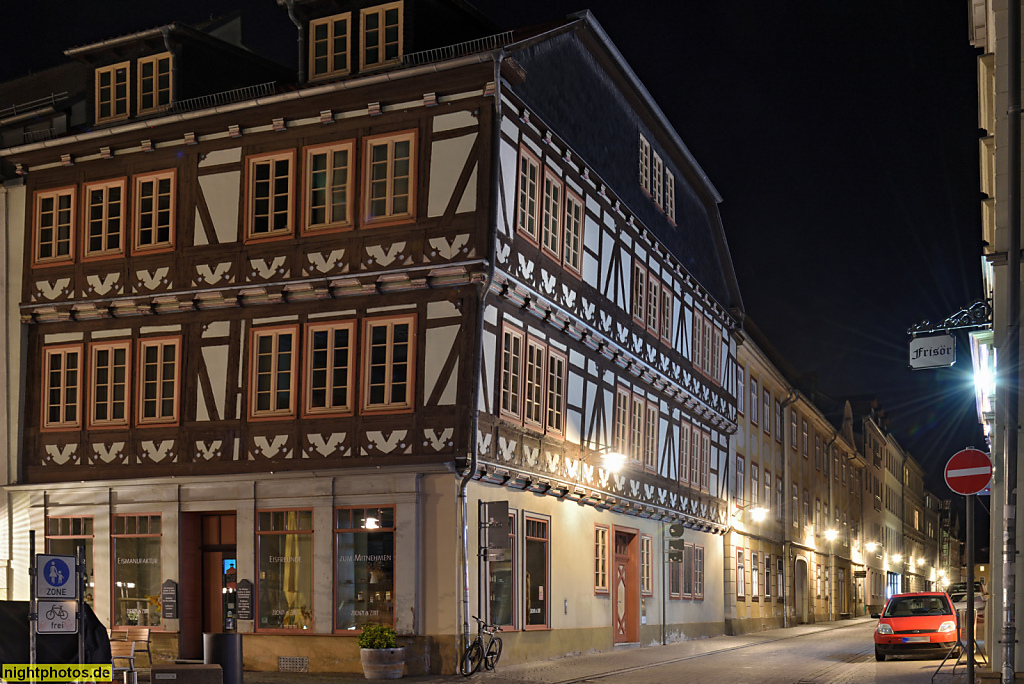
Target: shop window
[(381, 35), (158, 381), (389, 350), (537, 573), (390, 178), (62, 379), (154, 211), (104, 218), (601, 585), (272, 375), (154, 83), (501, 582), (137, 576), (54, 223), (269, 196), (329, 45), (285, 554), (64, 536), (112, 92), (529, 178), (329, 367), (109, 384), (364, 541), (328, 178)]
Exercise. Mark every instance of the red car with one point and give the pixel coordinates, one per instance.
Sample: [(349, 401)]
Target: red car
[(917, 623)]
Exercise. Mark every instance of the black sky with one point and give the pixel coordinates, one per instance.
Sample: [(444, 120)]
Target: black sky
[(842, 136)]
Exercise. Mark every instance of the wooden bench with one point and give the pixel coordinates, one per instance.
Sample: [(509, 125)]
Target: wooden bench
[(187, 674)]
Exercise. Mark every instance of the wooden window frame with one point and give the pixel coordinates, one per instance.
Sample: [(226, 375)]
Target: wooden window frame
[(54, 194), (366, 351), (157, 92), (705, 461), (555, 398), (778, 420), (652, 315), (109, 346), (755, 406), (251, 163), (331, 56), (684, 452), (637, 420), (137, 211), (686, 567), (670, 195), (623, 410), (696, 439), (602, 584), (666, 314), (741, 389), (697, 342), (741, 576), (652, 423), (104, 219), (639, 289), (390, 216), (511, 375), (698, 572), (572, 233), (551, 215), (534, 377), (755, 576), (657, 167), (766, 422), (161, 343), (741, 480), (274, 332), (329, 225), (527, 203), (380, 10), (329, 409), (645, 164), (62, 425), (99, 101), (646, 565), (547, 568)]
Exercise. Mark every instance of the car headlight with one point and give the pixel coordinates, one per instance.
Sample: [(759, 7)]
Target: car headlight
[(947, 626), (884, 628)]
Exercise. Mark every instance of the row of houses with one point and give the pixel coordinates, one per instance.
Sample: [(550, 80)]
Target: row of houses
[(322, 331)]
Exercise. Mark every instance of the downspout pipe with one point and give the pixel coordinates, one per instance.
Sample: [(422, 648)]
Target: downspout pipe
[(474, 410), (788, 484), (301, 27)]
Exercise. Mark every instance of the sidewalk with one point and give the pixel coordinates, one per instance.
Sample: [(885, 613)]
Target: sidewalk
[(576, 666)]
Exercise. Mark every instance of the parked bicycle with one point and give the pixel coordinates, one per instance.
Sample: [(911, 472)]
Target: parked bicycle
[(477, 653)]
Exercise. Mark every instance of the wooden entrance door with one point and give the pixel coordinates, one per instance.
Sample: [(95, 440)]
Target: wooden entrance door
[(625, 589)]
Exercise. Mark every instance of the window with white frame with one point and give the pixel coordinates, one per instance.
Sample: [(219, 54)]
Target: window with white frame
[(796, 506), (653, 300), (601, 584), (636, 431), (623, 399), (646, 564), (766, 414), (779, 579), (329, 45), (792, 429), (656, 185), (389, 351), (767, 489), (767, 576), (705, 460), (698, 573), (741, 388), (670, 195), (755, 575), (390, 177), (381, 35), (511, 372), (697, 442), (805, 439), (639, 293), (778, 421), (779, 494), (741, 575), (687, 591), (666, 314), (755, 483), (753, 400), (651, 437), (741, 479)]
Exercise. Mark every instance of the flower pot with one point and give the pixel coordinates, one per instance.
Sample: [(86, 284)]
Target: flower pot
[(383, 663)]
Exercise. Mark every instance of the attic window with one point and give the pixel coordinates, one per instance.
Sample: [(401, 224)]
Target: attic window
[(154, 83), (381, 35), (670, 195), (112, 92), (330, 41), (645, 164)]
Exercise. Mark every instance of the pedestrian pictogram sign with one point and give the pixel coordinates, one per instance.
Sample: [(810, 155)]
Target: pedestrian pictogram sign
[(968, 471), (56, 578)]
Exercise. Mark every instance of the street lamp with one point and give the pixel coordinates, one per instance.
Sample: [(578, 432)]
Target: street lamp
[(831, 535)]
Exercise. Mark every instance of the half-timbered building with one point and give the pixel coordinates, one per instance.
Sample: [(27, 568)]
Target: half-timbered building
[(277, 341)]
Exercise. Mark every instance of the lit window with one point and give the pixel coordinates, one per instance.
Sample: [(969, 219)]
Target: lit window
[(329, 349), (328, 186), (65, 535), (329, 43), (104, 218), (269, 196), (158, 381), (382, 34), (389, 348), (529, 173), (112, 92), (154, 211), (601, 559), (109, 384), (511, 373), (573, 233), (61, 385), (364, 542), (272, 378), (136, 541), (537, 566), (551, 231), (54, 222), (390, 177), (284, 549), (154, 83)]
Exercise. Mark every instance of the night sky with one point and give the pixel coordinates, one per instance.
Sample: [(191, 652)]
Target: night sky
[(843, 137)]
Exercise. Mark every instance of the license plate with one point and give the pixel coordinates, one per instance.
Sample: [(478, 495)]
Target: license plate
[(916, 640)]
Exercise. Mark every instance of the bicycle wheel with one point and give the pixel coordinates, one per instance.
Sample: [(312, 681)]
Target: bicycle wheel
[(471, 659), (493, 653)]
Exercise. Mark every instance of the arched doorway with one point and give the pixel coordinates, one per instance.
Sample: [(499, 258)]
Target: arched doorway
[(800, 590)]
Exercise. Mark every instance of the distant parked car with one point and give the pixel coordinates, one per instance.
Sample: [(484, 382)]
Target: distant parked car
[(917, 623)]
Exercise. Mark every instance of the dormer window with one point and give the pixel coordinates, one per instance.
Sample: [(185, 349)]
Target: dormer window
[(112, 92), (330, 41), (381, 35), (154, 83)]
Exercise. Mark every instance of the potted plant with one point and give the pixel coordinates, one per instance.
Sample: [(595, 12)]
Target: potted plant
[(380, 654)]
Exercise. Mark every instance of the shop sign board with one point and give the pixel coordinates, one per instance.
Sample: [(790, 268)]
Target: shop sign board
[(932, 351)]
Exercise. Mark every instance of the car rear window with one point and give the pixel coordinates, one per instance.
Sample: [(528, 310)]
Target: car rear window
[(909, 606)]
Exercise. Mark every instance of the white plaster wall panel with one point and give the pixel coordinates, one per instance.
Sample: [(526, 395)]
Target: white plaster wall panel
[(453, 120), (217, 329), (607, 250), (217, 368), (447, 160), (442, 310), (574, 426), (509, 128), (221, 193), (285, 492), (108, 334), (488, 380), (228, 156), (551, 165), (509, 160), (159, 329), (468, 202), (571, 183), (440, 342), (61, 338), (574, 390), (491, 315), (534, 147)]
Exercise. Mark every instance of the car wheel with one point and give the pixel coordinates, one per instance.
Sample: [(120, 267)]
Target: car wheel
[(879, 656)]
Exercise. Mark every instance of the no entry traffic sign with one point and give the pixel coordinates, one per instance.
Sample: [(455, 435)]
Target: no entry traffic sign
[(968, 471)]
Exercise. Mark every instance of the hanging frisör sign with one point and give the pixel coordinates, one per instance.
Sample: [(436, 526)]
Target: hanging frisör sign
[(968, 472), (932, 351)]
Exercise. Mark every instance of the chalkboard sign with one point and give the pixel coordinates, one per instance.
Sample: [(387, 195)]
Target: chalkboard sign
[(169, 600), (243, 600)]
